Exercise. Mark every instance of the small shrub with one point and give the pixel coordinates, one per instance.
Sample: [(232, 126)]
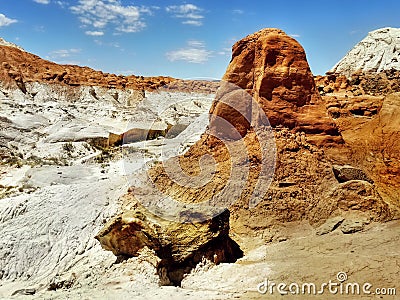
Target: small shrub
[(68, 147)]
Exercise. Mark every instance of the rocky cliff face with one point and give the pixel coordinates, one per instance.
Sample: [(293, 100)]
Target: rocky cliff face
[(272, 67), (361, 93), (308, 146), (379, 51)]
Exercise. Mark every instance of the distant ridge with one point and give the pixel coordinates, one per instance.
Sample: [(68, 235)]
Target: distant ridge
[(18, 67)]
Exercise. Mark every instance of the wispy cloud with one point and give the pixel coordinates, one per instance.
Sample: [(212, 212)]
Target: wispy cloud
[(94, 33), (4, 21), (353, 32), (39, 28), (65, 56), (194, 52), (125, 72), (108, 44), (238, 12), (193, 22), (294, 35), (62, 4), (225, 51), (42, 1), (227, 46), (64, 52), (191, 13), (98, 14)]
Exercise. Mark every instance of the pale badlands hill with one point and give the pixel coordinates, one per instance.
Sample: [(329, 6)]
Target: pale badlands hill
[(378, 51)]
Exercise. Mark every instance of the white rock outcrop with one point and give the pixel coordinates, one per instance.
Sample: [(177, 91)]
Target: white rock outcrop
[(379, 51), (57, 189), (3, 42)]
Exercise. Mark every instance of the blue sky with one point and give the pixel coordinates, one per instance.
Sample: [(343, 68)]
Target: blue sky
[(184, 39)]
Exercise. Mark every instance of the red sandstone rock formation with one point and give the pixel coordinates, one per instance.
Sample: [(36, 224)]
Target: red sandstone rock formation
[(272, 67)]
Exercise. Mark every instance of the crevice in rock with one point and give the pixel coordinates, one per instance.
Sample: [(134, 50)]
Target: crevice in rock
[(222, 249)]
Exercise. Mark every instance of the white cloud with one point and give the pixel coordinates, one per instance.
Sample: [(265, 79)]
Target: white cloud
[(40, 28), (65, 56), (238, 12), (225, 51), (295, 35), (126, 72), (195, 52), (101, 43), (190, 12), (42, 1), (129, 28), (4, 21), (69, 62), (94, 33), (193, 22), (354, 32), (63, 53), (100, 13), (62, 4)]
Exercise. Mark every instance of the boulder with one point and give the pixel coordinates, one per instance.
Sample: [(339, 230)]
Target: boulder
[(347, 173), (179, 245), (330, 225), (360, 196), (352, 226)]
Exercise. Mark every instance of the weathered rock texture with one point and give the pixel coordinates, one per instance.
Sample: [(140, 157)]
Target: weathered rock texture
[(272, 67), (360, 83), (347, 173), (375, 146), (179, 245), (379, 51), (59, 245), (366, 109), (304, 185)]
